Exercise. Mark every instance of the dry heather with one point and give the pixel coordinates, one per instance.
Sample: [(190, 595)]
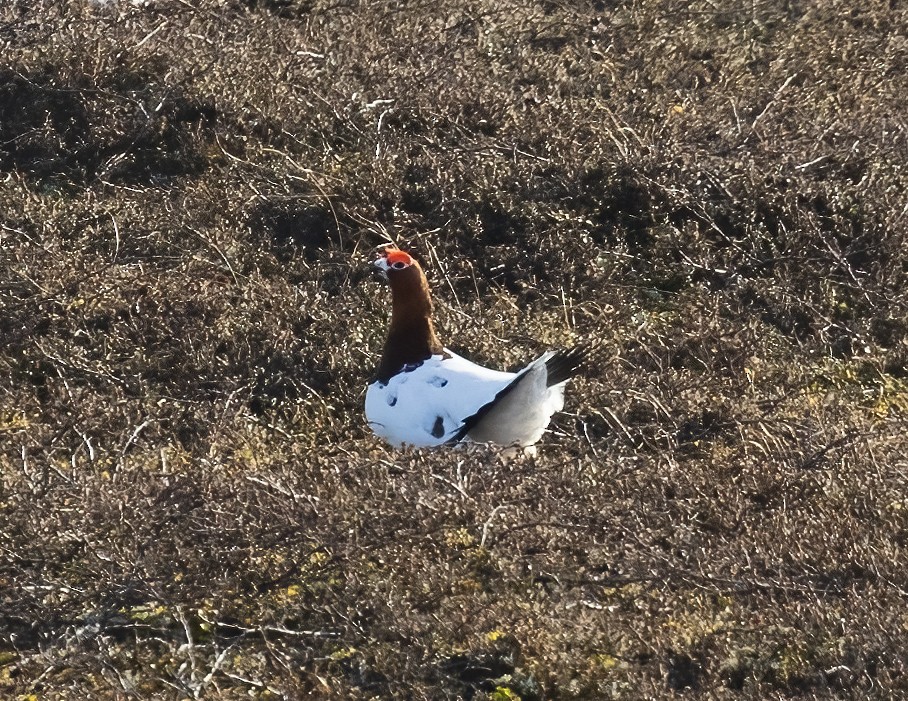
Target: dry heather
[(191, 505)]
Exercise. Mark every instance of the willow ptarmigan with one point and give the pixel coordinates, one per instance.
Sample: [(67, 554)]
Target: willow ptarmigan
[(425, 395)]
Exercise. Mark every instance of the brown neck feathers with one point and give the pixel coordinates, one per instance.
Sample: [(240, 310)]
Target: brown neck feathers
[(411, 337)]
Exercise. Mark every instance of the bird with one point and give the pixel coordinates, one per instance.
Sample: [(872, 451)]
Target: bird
[(423, 394)]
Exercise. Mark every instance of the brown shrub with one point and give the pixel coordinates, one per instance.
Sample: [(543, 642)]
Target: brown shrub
[(191, 504)]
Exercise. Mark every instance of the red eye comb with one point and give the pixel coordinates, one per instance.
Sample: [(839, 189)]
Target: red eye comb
[(395, 255)]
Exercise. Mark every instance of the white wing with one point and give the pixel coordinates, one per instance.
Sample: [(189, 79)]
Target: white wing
[(520, 414)]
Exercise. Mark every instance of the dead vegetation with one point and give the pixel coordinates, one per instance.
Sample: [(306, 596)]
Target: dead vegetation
[(191, 505)]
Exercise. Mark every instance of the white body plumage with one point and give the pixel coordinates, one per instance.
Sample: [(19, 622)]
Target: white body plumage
[(429, 404)]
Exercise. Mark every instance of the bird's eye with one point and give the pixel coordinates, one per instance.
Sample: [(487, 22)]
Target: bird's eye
[(399, 265)]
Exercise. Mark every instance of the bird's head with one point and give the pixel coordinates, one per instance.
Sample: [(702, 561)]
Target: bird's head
[(393, 261)]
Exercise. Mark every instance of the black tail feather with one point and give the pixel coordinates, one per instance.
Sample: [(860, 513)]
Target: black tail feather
[(565, 364)]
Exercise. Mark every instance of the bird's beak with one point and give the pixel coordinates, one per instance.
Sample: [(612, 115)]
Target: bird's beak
[(380, 269)]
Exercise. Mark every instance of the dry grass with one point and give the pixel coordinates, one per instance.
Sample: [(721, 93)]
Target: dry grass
[(191, 504)]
